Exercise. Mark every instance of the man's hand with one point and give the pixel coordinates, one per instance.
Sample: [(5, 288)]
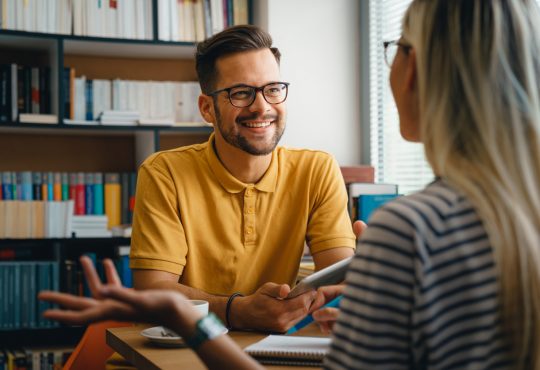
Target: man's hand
[(268, 310), (326, 317)]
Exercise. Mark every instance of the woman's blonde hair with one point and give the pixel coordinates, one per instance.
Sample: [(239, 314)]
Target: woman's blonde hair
[(478, 74)]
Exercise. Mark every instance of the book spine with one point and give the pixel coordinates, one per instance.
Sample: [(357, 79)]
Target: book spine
[(37, 180), (5, 93), (132, 191), (89, 192), (7, 189), (124, 178), (57, 186), (35, 90), (50, 186), (44, 186), (45, 90), (89, 100), (26, 185), (98, 194), (16, 185), (65, 186), (80, 206), (112, 199), (73, 187)]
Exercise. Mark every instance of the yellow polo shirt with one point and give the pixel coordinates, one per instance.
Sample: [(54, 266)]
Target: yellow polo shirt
[(194, 219)]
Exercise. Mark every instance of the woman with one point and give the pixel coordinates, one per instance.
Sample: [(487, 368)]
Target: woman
[(448, 277)]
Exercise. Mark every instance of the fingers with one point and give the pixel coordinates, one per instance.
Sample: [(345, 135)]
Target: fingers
[(325, 294), (67, 300), (103, 310), (111, 273), (326, 314), (92, 277), (273, 290), (326, 318), (129, 296), (358, 228)]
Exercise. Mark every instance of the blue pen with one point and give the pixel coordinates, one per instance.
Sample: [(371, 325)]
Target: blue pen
[(309, 318)]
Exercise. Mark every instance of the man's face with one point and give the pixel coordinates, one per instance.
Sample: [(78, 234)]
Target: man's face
[(255, 129)]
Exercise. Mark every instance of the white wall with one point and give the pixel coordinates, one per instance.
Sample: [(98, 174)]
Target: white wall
[(319, 42)]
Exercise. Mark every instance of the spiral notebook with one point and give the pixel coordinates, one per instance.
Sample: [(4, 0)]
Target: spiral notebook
[(289, 350)]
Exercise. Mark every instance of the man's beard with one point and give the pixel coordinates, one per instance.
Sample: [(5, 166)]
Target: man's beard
[(241, 142)]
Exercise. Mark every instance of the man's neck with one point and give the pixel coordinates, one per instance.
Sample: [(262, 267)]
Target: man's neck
[(243, 166)]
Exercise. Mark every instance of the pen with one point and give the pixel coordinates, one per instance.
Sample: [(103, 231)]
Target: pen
[(309, 318)]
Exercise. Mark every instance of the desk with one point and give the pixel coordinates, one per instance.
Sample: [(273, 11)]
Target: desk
[(144, 355)]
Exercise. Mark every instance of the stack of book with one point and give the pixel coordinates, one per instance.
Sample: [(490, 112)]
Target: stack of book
[(364, 198), (122, 118), (90, 226)]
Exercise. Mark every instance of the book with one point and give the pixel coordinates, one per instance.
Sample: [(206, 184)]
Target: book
[(368, 203), (38, 118), (113, 199), (290, 350), (356, 189)]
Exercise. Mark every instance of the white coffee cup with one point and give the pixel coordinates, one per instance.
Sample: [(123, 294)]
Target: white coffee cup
[(200, 305)]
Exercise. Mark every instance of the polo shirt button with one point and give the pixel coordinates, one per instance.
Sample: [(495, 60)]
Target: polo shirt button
[(249, 230), (249, 192), (251, 210)]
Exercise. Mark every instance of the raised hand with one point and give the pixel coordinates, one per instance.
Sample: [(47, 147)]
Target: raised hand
[(113, 302)]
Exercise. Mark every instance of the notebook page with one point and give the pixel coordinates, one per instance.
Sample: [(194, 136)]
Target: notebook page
[(285, 346)]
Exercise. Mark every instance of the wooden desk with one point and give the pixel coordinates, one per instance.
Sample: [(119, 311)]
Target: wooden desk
[(144, 355)]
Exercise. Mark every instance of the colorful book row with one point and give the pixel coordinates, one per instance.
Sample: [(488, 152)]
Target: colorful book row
[(112, 194)]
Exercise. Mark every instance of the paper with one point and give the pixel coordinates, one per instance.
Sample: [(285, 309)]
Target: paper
[(283, 347)]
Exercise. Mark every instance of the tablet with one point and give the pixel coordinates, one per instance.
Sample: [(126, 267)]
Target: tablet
[(332, 274)]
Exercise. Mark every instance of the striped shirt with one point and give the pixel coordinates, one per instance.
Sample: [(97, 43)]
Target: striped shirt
[(422, 290)]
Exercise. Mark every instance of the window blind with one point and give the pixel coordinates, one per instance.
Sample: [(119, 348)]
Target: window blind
[(394, 159)]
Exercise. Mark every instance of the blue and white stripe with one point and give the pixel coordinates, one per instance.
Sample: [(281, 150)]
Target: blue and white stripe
[(422, 290)]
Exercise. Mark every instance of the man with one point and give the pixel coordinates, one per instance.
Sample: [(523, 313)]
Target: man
[(228, 218)]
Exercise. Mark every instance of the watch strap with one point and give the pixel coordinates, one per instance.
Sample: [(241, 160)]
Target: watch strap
[(206, 328)]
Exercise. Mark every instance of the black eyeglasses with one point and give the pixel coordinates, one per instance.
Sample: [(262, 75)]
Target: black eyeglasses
[(242, 96), (391, 49)]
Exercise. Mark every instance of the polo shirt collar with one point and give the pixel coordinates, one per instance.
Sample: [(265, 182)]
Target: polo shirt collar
[(230, 183)]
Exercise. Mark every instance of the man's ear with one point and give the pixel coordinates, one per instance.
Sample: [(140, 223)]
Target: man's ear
[(206, 107), (410, 73)]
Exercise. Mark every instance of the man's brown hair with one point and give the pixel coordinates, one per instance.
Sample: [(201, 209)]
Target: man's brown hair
[(232, 40)]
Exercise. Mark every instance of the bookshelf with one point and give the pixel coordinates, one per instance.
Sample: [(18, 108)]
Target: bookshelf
[(61, 147)]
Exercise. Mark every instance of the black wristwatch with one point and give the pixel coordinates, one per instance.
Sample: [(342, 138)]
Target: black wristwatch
[(207, 328)]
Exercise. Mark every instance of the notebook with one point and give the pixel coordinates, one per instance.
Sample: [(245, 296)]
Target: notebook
[(289, 350)]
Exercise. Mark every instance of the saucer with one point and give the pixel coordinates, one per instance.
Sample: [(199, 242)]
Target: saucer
[(163, 336)]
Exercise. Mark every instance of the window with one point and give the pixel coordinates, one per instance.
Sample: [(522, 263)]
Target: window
[(395, 160)]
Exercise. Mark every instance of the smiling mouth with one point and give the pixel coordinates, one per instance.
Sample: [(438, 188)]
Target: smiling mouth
[(257, 124)]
